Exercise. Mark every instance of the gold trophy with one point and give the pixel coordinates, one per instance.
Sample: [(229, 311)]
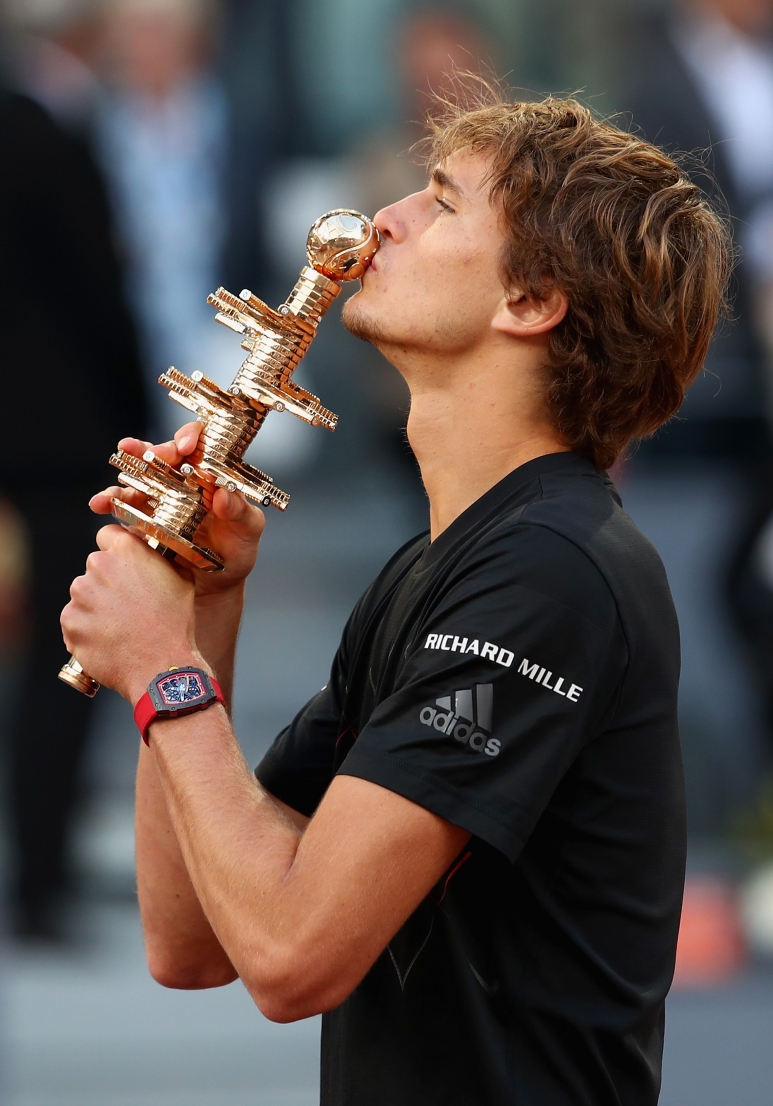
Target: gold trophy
[(340, 247)]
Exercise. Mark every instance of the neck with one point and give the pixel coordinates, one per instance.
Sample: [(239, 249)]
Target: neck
[(471, 423)]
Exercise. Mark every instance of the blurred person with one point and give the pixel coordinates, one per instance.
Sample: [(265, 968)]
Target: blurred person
[(163, 133), (700, 78), (50, 57), (432, 43), (67, 345), (750, 591), (263, 82), (734, 47), (694, 72), (468, 849)]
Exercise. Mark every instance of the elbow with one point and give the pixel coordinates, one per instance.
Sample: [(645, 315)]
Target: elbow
[(291, 989), (284, 1005), (188, 974)]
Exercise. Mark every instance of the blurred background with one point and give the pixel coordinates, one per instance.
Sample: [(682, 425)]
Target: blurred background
[(153, 149)]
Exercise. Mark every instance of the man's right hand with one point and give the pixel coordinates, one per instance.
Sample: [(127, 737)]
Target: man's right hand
[(232, 528)]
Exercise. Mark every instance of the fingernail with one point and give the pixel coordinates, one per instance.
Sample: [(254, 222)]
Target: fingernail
[(184, 442)]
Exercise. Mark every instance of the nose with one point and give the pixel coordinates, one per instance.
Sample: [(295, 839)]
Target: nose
[(390, 221)]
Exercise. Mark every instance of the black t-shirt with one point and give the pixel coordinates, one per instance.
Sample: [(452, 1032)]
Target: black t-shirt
[(518, 677)]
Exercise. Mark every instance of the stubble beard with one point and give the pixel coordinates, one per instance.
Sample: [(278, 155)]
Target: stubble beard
[(361, 325)]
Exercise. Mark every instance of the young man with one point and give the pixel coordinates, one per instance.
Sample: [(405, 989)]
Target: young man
[(467, 849)]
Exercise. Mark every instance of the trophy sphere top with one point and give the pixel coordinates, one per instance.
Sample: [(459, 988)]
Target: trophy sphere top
[(341, 244)]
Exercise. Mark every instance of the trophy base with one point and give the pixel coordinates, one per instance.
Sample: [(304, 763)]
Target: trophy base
[(165, 541), (72, 674)]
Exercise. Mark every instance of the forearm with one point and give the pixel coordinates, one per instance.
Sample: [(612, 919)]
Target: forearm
[(218, 618), (181, 947), (235, 843), (302, 916), (228, 884)]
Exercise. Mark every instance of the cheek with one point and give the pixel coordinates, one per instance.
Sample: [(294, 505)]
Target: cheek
[(462, 261)]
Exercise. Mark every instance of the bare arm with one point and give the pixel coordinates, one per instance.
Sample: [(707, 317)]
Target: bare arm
[(175, 928), (181, 946), (171, 913), (300, 916)]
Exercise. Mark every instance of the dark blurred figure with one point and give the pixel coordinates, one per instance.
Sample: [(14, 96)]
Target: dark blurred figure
[(700, 78), (750, 589), (267, 124), (71, 387)]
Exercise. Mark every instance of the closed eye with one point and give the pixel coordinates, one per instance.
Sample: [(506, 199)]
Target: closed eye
[(444, 205)]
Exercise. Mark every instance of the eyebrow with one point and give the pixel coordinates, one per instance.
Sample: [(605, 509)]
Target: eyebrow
[(439, 176)]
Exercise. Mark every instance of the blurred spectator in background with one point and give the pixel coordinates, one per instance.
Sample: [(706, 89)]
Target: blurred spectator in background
[(733, 48), (71, 387), (267, 125), (432, 42), (50, 57), (703, 80), (700, 78), (163, 135)]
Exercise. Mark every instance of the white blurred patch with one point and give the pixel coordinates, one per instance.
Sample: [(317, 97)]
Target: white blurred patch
[(757, 910), (299, 192), (104, 840)]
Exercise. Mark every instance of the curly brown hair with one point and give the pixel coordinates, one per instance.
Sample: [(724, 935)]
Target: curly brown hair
[(615, 224)]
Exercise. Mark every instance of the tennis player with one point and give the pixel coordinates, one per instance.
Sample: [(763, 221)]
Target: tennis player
[(467, 851)]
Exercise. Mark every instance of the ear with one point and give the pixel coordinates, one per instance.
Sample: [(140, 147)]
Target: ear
[(522, 316)]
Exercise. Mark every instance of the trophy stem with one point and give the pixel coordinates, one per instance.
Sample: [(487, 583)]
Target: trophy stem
[(72, 674)]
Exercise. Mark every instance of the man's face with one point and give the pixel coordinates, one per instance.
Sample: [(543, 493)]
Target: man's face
[(434, 286)]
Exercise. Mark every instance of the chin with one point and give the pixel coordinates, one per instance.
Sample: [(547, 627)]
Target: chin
[(360, 322)]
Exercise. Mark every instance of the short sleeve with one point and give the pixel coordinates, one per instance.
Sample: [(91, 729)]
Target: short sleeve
[(515, 668), (300, 764)]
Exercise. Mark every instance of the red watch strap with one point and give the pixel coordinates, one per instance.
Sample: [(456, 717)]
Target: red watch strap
[(145, 712)]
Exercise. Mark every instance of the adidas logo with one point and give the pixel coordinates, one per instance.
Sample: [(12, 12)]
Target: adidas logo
[(467, 719)]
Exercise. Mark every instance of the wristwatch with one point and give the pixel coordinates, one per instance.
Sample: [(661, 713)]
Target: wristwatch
[(174, 692)]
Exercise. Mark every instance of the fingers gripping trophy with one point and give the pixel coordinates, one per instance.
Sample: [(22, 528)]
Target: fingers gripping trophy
[(340, 247)]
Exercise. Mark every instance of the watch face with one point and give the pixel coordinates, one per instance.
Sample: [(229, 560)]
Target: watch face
[(181, 687)]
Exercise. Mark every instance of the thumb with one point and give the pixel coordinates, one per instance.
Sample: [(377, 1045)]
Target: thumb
[(230, 506)]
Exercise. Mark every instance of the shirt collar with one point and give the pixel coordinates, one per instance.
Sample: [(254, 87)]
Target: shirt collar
[(508, 489)]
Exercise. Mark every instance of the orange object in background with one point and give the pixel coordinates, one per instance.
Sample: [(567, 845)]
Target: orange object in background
[(711, 948)]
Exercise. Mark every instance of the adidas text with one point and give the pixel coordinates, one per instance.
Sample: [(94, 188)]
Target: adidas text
[(467, 719)]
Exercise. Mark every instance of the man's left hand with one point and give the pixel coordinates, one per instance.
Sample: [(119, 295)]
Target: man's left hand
[(131, 616)]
